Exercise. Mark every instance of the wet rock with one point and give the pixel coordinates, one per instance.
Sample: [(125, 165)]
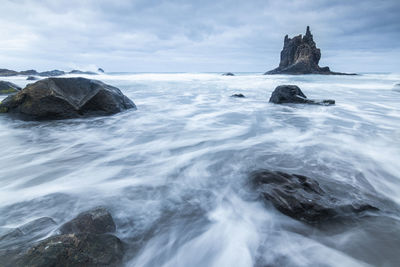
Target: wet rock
[(302, 198), (82, 72), (300, 55), (100, 70), (52, 73), (97, 221), (83, 249), (61, 98), (32, 78), (292, 94), (238, 95), (8, 88), (228, 74)]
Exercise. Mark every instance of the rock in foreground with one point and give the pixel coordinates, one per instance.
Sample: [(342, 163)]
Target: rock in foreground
[(8, 88), (300, 55), (302, 198), (292, 94), (61, 98)]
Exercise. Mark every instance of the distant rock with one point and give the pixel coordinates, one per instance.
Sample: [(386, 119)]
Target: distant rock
[(300, 55), (61, 98), (82, 72), (396, 87), (8, 88), (28, 72), (292, 94), (100, 70), (238, 95), (7, 72), (32, 78), (98, 221), (228, 74), (302, 198), (52, 73)]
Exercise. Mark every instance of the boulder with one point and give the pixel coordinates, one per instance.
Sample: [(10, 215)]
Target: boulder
[(292, 94), (300, 55), (32, 78), (228, 74), (8, 88), (238, 95), (52, 73), (98, 221), (302, 198), (61, 98)]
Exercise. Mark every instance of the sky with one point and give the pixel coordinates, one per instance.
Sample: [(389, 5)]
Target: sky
[(195, 36)]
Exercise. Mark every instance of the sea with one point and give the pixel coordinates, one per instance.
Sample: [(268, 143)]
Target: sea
[(174, 173)]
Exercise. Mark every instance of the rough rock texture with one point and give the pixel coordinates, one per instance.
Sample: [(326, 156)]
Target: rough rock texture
[(300, 55), (8, 88), (292, 94), (302, 198), (60, 98), (228, 74), (84, 241), (238, 95), (98, 221)]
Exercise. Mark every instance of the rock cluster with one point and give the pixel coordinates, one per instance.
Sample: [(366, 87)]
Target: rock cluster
[(300, 55), (61, 98)]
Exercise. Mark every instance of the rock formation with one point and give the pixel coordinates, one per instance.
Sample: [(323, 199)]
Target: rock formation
[(292, 94), (238, 95), (61, 98), (302, 198), (32, 78), (8, 88), (300, 55), (228, 74)]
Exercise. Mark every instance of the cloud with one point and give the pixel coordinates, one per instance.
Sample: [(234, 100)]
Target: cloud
[(207, 35)]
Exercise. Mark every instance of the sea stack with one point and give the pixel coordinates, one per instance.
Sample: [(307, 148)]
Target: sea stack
[(300, 55)]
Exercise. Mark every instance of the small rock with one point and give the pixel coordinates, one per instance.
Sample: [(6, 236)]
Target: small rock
[(228, 74), (238, 95), (292, 94), (96, 221), (32, 78), (100, 70)]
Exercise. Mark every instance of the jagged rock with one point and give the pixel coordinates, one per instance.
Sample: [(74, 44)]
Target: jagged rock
[(82, 72), (8, 88), (292, 94), (32, 78), (302, 198), (238, 95), (97, 221), (7, 72), (300, 55), (52, 73), (100, 70), (228, 74), (61, 98)]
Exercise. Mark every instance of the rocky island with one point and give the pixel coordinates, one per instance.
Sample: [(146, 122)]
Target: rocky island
[(300, 55)]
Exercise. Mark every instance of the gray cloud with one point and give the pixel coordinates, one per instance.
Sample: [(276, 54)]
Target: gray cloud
[(207, 35)]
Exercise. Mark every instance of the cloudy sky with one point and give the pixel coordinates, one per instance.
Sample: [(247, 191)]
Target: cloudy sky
[(195, 36)]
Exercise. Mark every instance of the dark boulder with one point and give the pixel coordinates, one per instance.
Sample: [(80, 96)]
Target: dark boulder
[(228, 74), (302, 198), (300, 55), (292, 94), (84, 249), (97, 221), (100, 70), (82, 72), (8, 88), (61, 98), (238, 95), (52, 73), (32, 78)]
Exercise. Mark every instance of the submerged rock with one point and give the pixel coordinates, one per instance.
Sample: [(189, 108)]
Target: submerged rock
[(300, 55), (238, 95), (302, 198), (61, 98), (32, 78), (8, 88), (292, 94), (228, 74), (98, 221)]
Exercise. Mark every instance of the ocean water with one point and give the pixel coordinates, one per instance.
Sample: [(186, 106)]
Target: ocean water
[(174, 173)]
